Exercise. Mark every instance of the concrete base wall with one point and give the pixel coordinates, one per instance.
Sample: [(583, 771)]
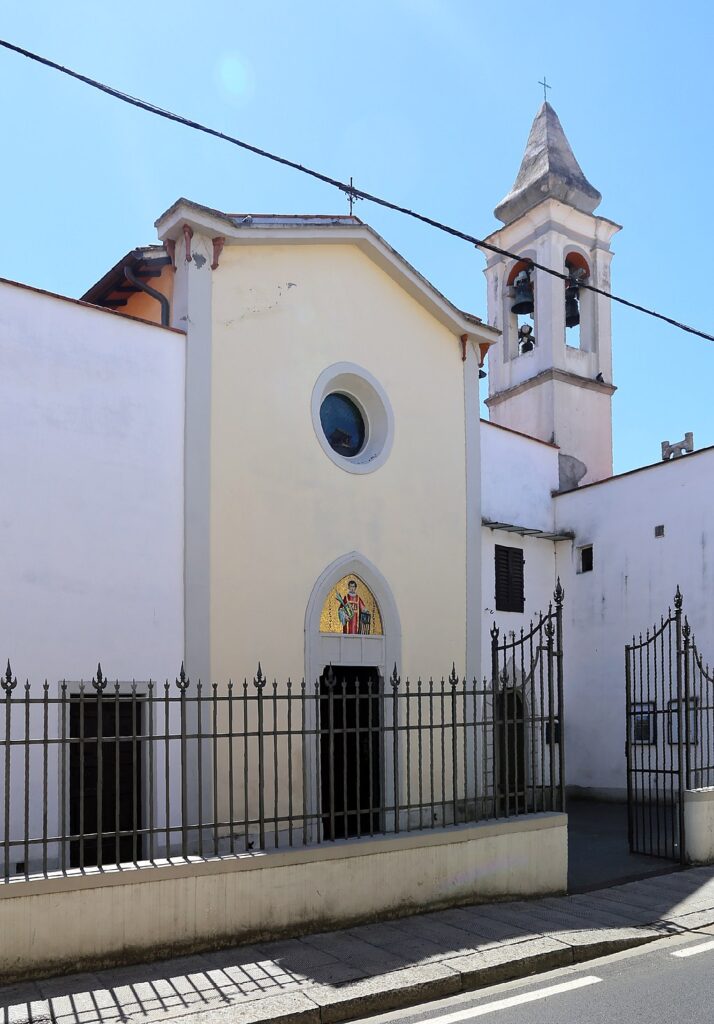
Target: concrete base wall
[(699, 825), (65, 924)]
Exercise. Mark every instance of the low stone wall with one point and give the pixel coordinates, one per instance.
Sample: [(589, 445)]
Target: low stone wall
[(64, 924), (699, 825)]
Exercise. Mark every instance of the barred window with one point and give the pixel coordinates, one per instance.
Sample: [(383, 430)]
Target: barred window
[(509, 579)]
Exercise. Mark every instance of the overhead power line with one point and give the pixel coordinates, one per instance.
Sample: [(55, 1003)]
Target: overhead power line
[(347, 187)]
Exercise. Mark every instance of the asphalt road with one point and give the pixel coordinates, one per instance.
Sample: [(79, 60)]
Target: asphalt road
[(654, 984)]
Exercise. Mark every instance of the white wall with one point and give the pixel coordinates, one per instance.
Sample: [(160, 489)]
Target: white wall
[(633, 582), (539, 578), (91, 465), (64, 924), (518, 474)]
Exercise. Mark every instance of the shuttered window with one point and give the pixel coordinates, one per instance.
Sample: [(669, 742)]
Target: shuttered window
[(509, 579)]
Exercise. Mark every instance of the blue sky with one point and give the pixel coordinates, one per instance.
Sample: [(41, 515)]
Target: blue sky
[(427, 102)]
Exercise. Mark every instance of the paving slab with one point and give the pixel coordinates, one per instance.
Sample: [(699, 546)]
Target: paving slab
[(621, 912), (294, 1008), (594, 912), (482, 928), (692, 922)]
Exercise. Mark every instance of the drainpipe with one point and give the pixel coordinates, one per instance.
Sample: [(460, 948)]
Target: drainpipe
[(131, 276)]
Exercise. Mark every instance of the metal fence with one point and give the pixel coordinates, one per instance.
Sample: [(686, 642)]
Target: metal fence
[(670, 731), (100, 774)]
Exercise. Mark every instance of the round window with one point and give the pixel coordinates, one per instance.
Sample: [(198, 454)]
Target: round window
[(352, 418), (343, 425)]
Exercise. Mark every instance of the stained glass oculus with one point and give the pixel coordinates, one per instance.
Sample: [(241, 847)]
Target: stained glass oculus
[(343, 425)]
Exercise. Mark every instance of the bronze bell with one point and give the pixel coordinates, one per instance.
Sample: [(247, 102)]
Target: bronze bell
[(572, 309), (523, 298)]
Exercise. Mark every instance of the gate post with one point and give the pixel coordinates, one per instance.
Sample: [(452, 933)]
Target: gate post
[(680, 731), (689, 710), (628, 735), (559, 595), (494, 715)]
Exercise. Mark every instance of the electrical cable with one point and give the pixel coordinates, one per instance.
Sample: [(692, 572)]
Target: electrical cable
[(346, 187)]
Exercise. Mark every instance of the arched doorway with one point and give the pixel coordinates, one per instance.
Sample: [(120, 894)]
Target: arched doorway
[(352, 642)]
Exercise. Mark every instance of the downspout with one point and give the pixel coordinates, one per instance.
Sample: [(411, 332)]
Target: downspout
[(165, 309)]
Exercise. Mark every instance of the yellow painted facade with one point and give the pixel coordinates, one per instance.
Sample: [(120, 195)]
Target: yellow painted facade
[(281, 510)]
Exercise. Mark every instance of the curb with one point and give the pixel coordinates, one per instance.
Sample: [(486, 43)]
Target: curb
[(411, 986)]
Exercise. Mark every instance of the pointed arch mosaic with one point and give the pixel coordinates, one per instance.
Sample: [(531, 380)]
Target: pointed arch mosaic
[(351, 608)]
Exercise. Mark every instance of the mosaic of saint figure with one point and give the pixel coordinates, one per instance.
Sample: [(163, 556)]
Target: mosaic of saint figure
[(351, 609)]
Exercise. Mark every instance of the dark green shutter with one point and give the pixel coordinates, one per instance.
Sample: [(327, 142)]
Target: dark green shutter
[(509, 579)]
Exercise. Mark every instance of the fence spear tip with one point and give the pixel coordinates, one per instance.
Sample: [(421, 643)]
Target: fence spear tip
[(183, 681), (8, 682)]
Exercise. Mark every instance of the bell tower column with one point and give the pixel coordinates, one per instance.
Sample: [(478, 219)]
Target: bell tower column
[(551, 374)]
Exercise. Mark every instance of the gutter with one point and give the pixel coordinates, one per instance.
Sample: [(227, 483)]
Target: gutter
[(161, 299)]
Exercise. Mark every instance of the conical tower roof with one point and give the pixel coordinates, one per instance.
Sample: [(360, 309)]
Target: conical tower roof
[(548, 170)]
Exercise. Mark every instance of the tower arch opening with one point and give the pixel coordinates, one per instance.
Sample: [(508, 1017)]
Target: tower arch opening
[(519, 312), (576, 305)]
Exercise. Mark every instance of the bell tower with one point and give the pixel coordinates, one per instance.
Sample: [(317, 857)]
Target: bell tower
[(551, 373)]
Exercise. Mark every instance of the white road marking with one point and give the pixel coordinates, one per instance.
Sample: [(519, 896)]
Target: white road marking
[(693, 950), (505, 1004)]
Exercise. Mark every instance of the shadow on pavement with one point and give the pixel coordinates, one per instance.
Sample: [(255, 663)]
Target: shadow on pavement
[(598, 851)]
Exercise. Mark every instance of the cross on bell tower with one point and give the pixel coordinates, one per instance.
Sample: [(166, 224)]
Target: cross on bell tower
[(545, 85), (551, 374)]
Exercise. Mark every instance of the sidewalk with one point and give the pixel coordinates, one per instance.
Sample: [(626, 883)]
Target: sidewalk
[(373, 968)]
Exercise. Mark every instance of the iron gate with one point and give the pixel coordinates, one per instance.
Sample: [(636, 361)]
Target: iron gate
[(527, 679), (670, 732)]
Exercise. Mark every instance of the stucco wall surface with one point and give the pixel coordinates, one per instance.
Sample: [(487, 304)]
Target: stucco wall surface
[(91, 523), (90, 921), (281, 510), (633, 581), (539, 578), (518, 476)]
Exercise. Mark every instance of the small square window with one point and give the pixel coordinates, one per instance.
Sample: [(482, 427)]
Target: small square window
[(585, 558), (643, 723), (659, 530), (555, 732)]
